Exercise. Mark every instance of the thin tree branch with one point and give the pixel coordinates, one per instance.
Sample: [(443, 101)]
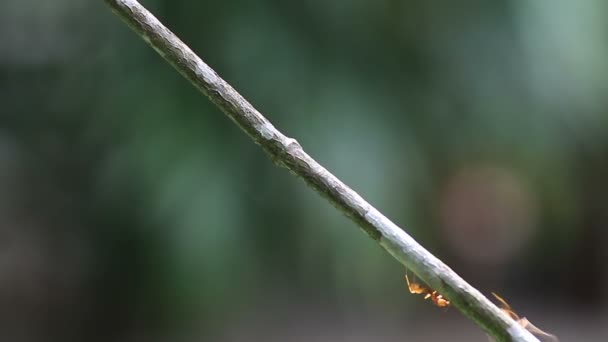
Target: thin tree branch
[(287, 152)]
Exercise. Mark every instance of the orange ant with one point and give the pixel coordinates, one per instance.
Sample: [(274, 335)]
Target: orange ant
[(523, 321), (436, 297)]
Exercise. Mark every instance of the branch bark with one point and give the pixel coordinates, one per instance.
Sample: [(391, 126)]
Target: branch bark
[(287, 152)]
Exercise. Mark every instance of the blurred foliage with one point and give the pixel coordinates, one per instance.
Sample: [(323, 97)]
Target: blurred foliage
[(170, 219)]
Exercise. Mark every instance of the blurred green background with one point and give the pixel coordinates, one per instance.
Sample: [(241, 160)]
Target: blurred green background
[(132, 209)]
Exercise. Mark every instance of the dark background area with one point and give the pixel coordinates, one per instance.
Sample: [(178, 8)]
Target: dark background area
[(132, 209)]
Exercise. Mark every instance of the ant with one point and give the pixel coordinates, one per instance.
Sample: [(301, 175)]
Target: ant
[(523, 321), (436, 297)]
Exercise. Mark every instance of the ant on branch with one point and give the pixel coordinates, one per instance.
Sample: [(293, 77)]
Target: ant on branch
[(523, 321), (417, 288), (442, 302)]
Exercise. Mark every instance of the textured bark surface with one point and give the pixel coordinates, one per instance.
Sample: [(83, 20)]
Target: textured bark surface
[(287, 152)]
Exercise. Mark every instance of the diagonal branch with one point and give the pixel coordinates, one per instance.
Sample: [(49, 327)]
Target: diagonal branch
[(286, 152)]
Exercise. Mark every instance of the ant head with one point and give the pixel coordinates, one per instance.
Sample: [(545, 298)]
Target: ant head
[(414, 287)]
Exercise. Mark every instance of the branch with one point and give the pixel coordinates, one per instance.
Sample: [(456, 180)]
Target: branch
[(287, 152)]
